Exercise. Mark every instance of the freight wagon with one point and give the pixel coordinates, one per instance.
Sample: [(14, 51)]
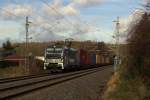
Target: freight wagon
[(58, 57), (94, 58)]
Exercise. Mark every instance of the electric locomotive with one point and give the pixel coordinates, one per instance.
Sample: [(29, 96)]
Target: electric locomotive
[(59, 57)]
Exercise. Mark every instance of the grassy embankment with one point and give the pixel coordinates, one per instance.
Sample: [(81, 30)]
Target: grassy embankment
[(132, 79)]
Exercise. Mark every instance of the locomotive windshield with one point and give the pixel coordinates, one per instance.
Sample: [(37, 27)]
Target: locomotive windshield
[(53, 56), (54, 52)]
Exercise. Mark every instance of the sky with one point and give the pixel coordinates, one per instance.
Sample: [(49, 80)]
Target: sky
[(61, 19)]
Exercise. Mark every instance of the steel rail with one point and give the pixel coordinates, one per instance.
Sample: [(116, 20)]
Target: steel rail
[(22, 88), (5, 80)]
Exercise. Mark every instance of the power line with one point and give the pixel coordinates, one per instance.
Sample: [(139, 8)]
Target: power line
[(56, 11), (8, 12), (37, 16), (11, 13), (53, 10), (59, 14)]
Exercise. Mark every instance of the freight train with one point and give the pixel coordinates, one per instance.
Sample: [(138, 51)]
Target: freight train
[(59, 57)]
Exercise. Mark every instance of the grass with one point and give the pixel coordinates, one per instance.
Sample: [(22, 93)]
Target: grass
[(119, 88), (12, 71)]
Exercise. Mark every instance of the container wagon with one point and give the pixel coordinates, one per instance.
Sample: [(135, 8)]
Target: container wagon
[(63, 58)]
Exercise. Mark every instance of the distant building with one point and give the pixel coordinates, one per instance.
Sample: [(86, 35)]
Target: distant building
[(14, 60), (4, 53)]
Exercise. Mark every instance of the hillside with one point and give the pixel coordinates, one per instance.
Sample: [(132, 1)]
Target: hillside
[(132, 79), (37, 48)]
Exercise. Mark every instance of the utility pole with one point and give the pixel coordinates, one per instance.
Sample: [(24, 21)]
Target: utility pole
[(116, 36), (26, 44)]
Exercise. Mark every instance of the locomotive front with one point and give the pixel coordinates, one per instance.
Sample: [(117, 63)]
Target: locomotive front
[(54, 57)]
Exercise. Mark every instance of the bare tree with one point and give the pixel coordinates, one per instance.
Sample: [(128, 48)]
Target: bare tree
[(8, 45), (139, 46)]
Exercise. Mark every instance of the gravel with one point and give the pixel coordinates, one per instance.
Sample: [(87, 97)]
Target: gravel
[(84, 88)]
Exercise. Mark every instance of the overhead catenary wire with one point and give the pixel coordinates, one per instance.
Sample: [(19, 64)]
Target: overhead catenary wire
[(55, 10), (46, 3), (42, 16), (34, 23), (8, 12), (58, 12), (14, 15)]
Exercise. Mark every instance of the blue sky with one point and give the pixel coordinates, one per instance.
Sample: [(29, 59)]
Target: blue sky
[(96, 18)]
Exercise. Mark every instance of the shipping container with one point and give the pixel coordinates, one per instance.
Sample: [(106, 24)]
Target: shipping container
[(83, 57), (98, 59), (107, 60), (102, 59), (93, 59), (88, 60), (106, 57)]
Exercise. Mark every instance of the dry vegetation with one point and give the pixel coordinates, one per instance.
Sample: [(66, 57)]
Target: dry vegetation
[(132, 80), (12, 71), (37, 49)]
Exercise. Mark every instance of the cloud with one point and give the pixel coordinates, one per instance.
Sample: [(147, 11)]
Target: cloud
[(12, 11), (145, 1), (57, 10), (8, 30), (57, 28), (124, 23), (88, 3), (48, 37), (69, 10), (51, 24), (127, 22)]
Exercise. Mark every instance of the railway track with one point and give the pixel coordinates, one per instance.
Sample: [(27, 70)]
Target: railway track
[(25, 85), (4, 80)]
